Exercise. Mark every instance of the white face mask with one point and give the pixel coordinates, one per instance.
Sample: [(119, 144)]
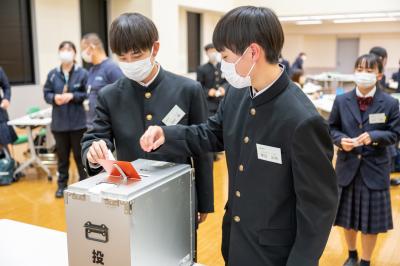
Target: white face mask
[(229, 71), (66, 56), (86, 57), (364, 80), (138, 70)]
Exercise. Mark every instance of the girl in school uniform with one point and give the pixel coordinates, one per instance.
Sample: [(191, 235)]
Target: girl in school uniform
[(65, 90), (364, 122)]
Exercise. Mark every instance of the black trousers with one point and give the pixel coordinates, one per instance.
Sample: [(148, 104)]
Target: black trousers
[(65, 141)]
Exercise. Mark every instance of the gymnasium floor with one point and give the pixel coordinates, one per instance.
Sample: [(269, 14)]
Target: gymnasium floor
[(31, 200)]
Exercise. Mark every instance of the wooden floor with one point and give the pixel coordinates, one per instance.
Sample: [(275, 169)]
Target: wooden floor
[(31, 200)]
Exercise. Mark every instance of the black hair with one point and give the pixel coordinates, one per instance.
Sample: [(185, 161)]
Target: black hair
[(302, 53), (381, 54), (244, 25), (93, 38), (379, 51), (367, 61), (208, 47), (132, 32), (65, 43)]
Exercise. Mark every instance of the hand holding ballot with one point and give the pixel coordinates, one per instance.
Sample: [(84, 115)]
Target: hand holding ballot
[(152, 139), (98, 151), (349, 144)]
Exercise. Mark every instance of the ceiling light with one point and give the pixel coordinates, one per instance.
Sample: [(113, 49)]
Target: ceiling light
[(309, 22)]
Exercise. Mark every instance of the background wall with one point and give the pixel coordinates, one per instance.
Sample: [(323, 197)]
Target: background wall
[(58, 20)]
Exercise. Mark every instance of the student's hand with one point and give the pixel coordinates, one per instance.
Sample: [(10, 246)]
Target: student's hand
[(201, 217), (212, 92), (221, 91), (364, 138), (347, 144), (5, 104), (97, 151), (67, 97), (152, 139), (59, 99)]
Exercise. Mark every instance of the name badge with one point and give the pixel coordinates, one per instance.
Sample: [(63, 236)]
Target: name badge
[(99, 78), (269, 154), (377, 118), (174, 116)]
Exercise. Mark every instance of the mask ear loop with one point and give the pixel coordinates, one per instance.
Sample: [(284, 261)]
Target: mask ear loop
[(237, 61), (151, 54)]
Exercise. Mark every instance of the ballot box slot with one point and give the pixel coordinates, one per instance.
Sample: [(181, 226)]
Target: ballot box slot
[(98, 233)]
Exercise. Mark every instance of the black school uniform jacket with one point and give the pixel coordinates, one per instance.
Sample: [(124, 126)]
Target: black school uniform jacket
[(210, 76), (277, 213), (125, 109)]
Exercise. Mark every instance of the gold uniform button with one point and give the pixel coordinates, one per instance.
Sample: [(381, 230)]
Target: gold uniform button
[(253, 111), (241, 168), (149, 117), (360, 126), (237, 194), (147, 95), (359, 156), (236, 219), (246, 140), (375, 144)]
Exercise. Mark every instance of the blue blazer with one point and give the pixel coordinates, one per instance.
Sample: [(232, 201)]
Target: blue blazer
[(372, 161), (70, 116)]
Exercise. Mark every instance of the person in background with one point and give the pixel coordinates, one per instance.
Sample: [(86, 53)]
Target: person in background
[(285, 63), (297, 77), (396, 75), (65, 90), (283, 192), (364, 122), (147, 95), (382, 55), (103, 71), (7, 133), (299, 62), (210, 77)]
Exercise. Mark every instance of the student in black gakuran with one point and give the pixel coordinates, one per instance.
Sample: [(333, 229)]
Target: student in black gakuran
[(364, 122), (210, 77), (283, 192), (147, 95)]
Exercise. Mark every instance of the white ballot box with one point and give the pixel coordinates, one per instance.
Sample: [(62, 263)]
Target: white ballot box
[(114, 221)]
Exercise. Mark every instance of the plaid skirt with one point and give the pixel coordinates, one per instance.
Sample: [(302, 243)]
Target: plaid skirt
[(363, 209), (7, 134)]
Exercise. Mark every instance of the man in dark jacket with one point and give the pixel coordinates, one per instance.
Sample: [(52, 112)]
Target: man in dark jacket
[(210, 77), (283, 192), (147, 95)]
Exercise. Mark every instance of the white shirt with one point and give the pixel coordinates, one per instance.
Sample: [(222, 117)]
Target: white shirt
[(254, 93), (369, 94)]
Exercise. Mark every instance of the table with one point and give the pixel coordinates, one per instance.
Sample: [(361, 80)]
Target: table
[(29, 245), (24, 244), (324, 104), (328, 77), (41, 118)]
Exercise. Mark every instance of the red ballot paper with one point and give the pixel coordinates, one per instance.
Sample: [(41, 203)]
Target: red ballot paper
[(126, 167)]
